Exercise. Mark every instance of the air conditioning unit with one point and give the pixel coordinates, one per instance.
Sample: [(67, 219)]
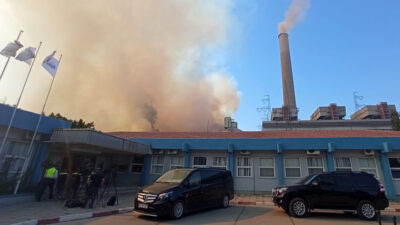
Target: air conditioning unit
[(172, 152), (369, 152), (157, 152), (245, 152), (313, 152)]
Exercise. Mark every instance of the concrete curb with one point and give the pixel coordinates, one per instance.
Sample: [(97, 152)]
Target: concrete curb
[(272, 204), (75, 217)]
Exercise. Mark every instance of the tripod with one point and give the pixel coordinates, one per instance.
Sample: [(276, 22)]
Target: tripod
[(109, 184)]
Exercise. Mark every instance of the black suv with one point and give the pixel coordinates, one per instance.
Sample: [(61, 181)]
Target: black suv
[(185, 190), (334, 190)]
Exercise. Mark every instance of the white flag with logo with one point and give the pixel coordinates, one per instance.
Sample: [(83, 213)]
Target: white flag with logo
[(27, 55), (51, 64), (11, 49)]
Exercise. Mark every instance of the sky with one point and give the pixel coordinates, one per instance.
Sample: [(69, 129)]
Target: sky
[(202, 61)]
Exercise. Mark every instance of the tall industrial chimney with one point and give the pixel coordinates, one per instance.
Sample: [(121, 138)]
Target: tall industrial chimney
[(289, 99)]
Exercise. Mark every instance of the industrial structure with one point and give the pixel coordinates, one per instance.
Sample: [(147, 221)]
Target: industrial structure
[(288, 111)]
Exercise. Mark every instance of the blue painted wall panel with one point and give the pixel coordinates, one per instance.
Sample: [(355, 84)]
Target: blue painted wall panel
[(356, 143), (27, 120)]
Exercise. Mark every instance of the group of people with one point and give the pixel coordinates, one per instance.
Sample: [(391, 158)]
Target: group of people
[(91, 181)]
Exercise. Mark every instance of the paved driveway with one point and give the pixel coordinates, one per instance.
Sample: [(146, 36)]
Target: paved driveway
[(245, 215)]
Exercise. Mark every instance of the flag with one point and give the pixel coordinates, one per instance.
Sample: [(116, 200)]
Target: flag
[(27, 55), (51, 64), (11, 49)]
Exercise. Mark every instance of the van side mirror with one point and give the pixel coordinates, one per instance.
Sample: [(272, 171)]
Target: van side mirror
[(314, 183)]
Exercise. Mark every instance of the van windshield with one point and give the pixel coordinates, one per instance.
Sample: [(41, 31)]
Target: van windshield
[(173, 176)]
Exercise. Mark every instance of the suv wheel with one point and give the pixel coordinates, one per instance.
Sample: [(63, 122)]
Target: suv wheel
[(366, 210), (298, 207), (177, 210), (225, 201)]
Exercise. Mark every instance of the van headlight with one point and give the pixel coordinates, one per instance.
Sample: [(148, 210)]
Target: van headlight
[(164, 196), (282, 191)]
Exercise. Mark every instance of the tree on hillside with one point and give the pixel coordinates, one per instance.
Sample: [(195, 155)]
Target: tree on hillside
[(395, 121), (75, 123)]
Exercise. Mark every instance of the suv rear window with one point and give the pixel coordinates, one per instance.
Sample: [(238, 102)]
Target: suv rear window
[(365, 180)]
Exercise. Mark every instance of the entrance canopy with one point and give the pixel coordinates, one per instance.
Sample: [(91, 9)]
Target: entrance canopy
[(95, 142)]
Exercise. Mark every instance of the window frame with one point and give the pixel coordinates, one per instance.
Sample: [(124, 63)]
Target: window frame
[(266, 167), (315, 167), (176, 165), (153, 164), (394, 168), (226, 162), (244, 167), (292, 167), (15, 157), (376, 166), (136, 164), (351, 164), (199, 166)]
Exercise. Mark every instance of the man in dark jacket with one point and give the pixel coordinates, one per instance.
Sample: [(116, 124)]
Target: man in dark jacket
[(95, 180)]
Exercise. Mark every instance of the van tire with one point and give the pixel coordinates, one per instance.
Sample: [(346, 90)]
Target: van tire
[(298, 207), (177, 210)]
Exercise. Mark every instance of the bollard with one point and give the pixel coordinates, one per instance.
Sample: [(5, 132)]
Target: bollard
[(394, 220)]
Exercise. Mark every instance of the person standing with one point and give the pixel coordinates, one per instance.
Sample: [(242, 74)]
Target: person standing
[(48, 180), (95, 180), (61, 180)]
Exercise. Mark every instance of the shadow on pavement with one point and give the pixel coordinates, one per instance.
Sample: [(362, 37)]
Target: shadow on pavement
[(217, 215), (348, 217)]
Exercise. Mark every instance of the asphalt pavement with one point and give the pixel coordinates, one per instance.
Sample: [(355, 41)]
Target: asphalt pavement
[(241, 215)]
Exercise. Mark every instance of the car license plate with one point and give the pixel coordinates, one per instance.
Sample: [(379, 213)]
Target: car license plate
[(143, 206)]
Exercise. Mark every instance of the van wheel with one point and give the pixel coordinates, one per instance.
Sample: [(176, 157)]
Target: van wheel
[(298, 207), (366, 210), (177, 210), (225, 201)]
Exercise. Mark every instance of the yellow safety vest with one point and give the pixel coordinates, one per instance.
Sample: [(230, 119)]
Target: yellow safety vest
[(51, 173)]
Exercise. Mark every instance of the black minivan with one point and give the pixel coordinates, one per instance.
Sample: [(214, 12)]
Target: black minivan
[(179, 191), (333, 190)]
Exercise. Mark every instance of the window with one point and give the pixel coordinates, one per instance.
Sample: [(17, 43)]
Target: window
[(177, 162), (343, 164), (244, 167), (292, 167), (267, 167), (344, 180), (315, 165), (137, 163), (199, 162), (210, 176), (16, 156), (219, 162), (195, 179), (368, 165), (157, 164), (395, 167)]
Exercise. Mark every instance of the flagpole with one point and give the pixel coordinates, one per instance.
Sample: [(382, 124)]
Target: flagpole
[(28, 158), (16, 105), (4, 69)]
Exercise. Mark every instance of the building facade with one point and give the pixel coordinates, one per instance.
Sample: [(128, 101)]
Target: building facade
[(260, 161)]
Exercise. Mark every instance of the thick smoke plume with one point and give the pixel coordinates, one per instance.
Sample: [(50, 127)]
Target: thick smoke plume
[(136, 65), (295, 14)]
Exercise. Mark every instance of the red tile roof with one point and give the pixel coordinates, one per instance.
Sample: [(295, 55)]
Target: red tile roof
[(262, 134)]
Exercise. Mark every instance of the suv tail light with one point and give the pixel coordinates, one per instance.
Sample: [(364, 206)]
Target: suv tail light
[(381, 188)]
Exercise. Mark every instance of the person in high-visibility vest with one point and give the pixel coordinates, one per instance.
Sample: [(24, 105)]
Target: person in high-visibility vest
[(49, 179)]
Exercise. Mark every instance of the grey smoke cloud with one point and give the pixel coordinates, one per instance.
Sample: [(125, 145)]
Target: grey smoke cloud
[(136, 65), (295, 14)]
